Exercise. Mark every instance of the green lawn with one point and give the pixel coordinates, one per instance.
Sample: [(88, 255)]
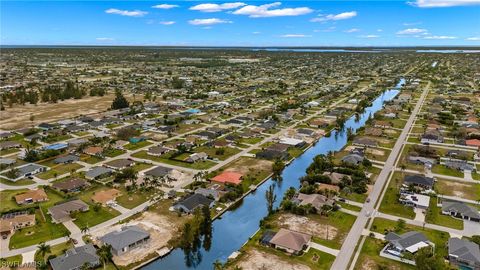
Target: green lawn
[(21, 182), (14, 260), (438, 237), (90, 159), (113, 152), (133, 199), (390, 203), (212, 152), (370, 255), (201, 165), (135, 146), (461, 189), (59, 170), (434, 216), (92, 218), (43, 231), (55, 250), (441, 169), (349, 206), (7, 200)]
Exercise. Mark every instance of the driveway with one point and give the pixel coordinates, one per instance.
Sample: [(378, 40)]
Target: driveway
[(419, 214), (471, 228)]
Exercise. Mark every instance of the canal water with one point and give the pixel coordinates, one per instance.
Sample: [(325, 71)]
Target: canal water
[(238, 224)]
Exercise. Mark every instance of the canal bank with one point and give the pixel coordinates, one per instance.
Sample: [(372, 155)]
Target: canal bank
[(242, 220)]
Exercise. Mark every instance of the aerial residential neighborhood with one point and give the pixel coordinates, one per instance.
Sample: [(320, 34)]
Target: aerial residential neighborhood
[(190, 149)]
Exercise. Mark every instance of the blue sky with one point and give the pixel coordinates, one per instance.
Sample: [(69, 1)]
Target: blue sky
[(241, 23)]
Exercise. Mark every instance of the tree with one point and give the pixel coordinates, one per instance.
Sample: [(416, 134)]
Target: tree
[(277, 169), (43, 249), (120, 101), (105, 254), (426, 260), (271, 198), (84, 229), (217, 265), (400, 225), (67, 235), (476, 239)]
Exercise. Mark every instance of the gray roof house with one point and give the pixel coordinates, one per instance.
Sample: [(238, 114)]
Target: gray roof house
[(28, 170), (66, 159), (75, 258), (460, 210), (61, 212), (158, 171), (407, 242), (353, 159), (125, 240), (97, 172), (463, 253), (192, 202), (419, 181)]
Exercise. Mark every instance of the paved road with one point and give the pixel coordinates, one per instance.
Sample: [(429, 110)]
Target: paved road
[(350, 242)]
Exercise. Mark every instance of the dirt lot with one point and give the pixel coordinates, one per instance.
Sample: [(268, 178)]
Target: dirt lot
[(244, 165), (254, 260), (160, 227), (19, 116), (458, 189), (305, 225)]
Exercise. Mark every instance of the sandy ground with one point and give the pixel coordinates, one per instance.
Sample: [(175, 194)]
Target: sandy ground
[(375, 152), (243, 165), (19, 116), (257, 260), (458, 189), (305, 225), (161, 231)]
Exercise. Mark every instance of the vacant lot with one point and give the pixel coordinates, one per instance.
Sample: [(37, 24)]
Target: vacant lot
[(458, 189), (19, 116)]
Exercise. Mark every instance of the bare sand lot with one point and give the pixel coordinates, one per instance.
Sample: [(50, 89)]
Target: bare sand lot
[(19, 115), (306, 225), (247, 165), (257, 260)]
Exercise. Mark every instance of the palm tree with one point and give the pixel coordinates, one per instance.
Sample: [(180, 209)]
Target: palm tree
[(271, 198), (85, 229), (67, 235), (217, 265), (43, 249), (105, 254)]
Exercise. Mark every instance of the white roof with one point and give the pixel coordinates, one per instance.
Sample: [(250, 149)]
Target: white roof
[(417, 246), (290, 141), (421, 200)]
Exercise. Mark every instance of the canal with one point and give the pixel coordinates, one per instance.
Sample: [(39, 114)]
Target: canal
[(238, 224)]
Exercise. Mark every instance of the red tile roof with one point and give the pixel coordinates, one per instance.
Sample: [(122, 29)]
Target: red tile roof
[(228, 177)]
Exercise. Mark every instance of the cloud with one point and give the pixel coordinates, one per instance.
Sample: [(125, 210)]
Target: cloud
[(353, 30), (167, 22), (266, 10), (165, 6), (210, 21), (103, 39), (473, 39), (411, 23), (412, 31), (295, 36), (443, 3), (130, 13), (369, 36), (329, 29), (209, 7), (256, 33), (335, 17), (439, 37)]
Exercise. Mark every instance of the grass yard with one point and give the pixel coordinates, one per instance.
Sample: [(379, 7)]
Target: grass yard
[(435, 216), (201, 165), (212, 152), (113, 152), (133, 199), (90, 159), (442, 169), (21, 182), (92, 218), (7, 200), (438, 237), (464, 190), (349, 206), (43, 231), (58, 170), (184, 128), (55, 250), (390, 203), (370, 259), (135, 146)]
